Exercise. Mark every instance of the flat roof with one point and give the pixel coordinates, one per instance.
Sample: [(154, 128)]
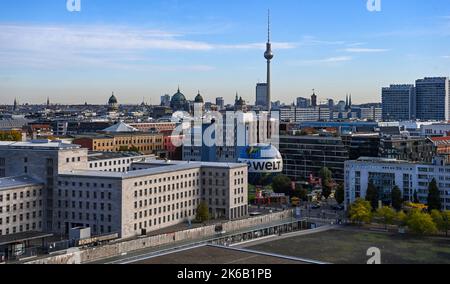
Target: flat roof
[(96, 156), (22, 237), (387, 161), (39, 144), (17, 182), (159, 167)]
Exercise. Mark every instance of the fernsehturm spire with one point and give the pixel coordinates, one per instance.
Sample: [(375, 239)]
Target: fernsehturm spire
[(269, 56)]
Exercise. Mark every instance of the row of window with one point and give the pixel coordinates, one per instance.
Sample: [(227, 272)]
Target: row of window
[(81, 184), (160, 180), (163, 189), (130, 142), (85, 194), (144, 203), (109, 163), (20, 195), (239, 181), (164, 209), (20, 206), (86, 206), (73, 159), (21, 217)]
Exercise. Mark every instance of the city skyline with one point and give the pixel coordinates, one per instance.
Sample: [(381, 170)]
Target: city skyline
[(139, 49)]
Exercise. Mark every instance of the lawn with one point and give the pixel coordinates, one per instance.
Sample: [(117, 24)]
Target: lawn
[(350, 247)]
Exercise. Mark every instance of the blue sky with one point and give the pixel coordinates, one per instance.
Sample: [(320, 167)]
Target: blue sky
[(146, 48)]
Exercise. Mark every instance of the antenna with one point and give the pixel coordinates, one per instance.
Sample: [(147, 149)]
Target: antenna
[(268, 25)]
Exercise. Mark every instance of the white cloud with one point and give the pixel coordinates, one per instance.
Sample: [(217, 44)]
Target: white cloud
[(446, 56), (106, 46), (365, 50), (328, 60), (107, 38)]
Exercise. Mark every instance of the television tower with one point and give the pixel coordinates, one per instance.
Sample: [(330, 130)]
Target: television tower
[(269, 56)]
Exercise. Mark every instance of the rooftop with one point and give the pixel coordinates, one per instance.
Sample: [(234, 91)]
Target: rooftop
[(441, 140), (120, 127), (39, 144), (17, 182), (156, 167), (96, 156), (387, 161)]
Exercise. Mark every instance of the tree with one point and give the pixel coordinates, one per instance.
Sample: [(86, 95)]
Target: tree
[(397, 199), (420, 223), (442, 220), (10, 135), (401, 218), (202, 212), (282, 184), (301, 193), (326, 175), (360, 211), (387, 214), (372, 195), (340, 194), (434, 197)]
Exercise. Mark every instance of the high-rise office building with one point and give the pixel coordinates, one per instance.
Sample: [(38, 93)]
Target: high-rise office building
[(261, 95), (220, 103), (399, 103), (432, 96), (303, 102), (314, 99), (165, 101)]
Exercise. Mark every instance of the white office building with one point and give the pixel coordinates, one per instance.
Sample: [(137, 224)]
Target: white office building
[(410, 177), (53, 186)]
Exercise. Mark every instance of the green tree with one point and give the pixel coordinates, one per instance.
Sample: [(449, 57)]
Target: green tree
[(372, 195), (282, 184), (10, 135), (202, 212), (434, 196), (340, 194), (420, 223), (397, 198), (442, 220), (301, 193), (387, 215), (326, 175), (360, 211), (401, 218)]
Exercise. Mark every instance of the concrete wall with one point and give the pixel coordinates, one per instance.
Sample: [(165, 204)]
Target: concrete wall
[(116, 249)]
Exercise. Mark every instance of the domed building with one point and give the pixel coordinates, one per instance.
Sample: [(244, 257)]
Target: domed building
[(199, 104), (179, 102), (113, 104), (199, 99)]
